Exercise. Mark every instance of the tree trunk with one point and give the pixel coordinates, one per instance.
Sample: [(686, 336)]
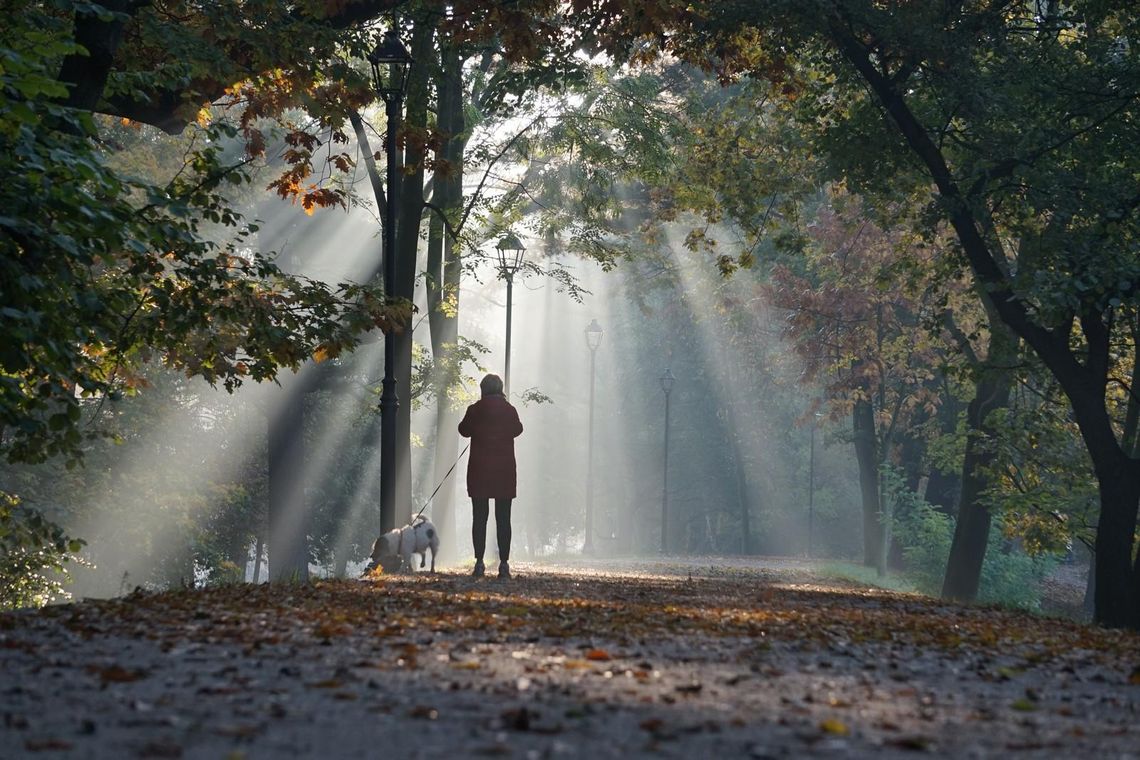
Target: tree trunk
[(1117, 587), (886, 507), (86, 74), (259, 548), (1117, 593), (1088, 605), (409, 212), (444, 270), (972, 530), (340, 564), (742, 499), (866, 452), (943, 491), (342, 545), (288, 549), (237, 552)]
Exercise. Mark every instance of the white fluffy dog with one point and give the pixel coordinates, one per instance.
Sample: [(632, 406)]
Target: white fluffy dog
[(394, 549)]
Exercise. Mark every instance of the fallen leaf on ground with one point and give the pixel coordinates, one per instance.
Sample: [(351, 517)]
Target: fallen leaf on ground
[(834, 727)]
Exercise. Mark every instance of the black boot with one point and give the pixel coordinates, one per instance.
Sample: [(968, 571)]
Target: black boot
[(504, 570), (479, 569)]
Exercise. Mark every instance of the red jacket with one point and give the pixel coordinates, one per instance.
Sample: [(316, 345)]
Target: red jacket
[(492, 424)]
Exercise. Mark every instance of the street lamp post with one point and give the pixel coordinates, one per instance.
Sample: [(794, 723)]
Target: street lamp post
[(667, 381), (510, 250), (390, 63), (593, 340)]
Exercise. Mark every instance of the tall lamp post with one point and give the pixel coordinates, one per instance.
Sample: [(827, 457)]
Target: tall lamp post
[(390, 63), (511, 251), (593, 340), (667, 381)]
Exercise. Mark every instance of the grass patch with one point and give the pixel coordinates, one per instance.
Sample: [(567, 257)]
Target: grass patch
[(866, 576)]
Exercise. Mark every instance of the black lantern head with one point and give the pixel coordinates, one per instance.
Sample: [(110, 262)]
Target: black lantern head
[(667, 381), (390, 62), (511, 251), (593, 335)]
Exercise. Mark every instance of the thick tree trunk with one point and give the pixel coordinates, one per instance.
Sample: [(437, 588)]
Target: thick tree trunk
[(340, 563), (1117, 587), (972, 530), (342, 547), (1117, 593), (866, 452), (237, 552), (403, 374), (444, 334), (288, 519), (1088, 605), (409, 212), (86, 75), (912, 452), (886, 513), (444, 270), (943, 491)]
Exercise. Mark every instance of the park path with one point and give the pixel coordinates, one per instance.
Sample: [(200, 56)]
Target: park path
[(669, 658)]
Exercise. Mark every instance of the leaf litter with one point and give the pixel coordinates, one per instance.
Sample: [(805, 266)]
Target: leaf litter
[(640, 658)]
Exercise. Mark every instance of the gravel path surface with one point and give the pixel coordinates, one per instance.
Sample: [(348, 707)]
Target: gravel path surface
[(671, 658)]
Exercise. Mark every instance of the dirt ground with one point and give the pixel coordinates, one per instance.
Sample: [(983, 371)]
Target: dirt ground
[(672, 659)]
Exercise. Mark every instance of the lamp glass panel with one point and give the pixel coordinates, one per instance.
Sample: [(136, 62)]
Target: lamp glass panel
[(510, 250), (594, 335)]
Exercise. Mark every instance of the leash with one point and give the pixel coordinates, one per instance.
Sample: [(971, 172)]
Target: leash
[(441, 482)]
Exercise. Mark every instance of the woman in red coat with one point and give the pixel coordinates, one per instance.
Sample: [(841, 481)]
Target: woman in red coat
[(492, 424)]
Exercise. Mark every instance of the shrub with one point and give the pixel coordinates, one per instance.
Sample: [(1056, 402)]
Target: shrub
[(1010, 577), (33, 555)]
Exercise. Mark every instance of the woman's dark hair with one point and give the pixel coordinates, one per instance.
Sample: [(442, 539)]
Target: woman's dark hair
[(491, 385)]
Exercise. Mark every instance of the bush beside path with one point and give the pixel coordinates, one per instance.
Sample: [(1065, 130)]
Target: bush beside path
[(649, 658)]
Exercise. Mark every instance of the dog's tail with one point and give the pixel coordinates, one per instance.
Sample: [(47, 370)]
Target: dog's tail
[(418, 519)]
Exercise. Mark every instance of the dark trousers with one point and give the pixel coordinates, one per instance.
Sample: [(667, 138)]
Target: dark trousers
[(481, 509)]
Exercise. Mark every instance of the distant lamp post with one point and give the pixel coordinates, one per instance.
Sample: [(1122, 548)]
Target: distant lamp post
[(811, 484), (667, 381), (511, 251), (593, 340), (390, 63)]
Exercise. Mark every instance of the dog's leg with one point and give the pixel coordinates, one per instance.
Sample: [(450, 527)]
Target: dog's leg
[(434, 544)]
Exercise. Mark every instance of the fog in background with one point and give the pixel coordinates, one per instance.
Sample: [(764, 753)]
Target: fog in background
[(185, 493)]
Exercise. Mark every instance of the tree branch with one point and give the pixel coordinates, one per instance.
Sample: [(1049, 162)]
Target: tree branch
[(369, 160)]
